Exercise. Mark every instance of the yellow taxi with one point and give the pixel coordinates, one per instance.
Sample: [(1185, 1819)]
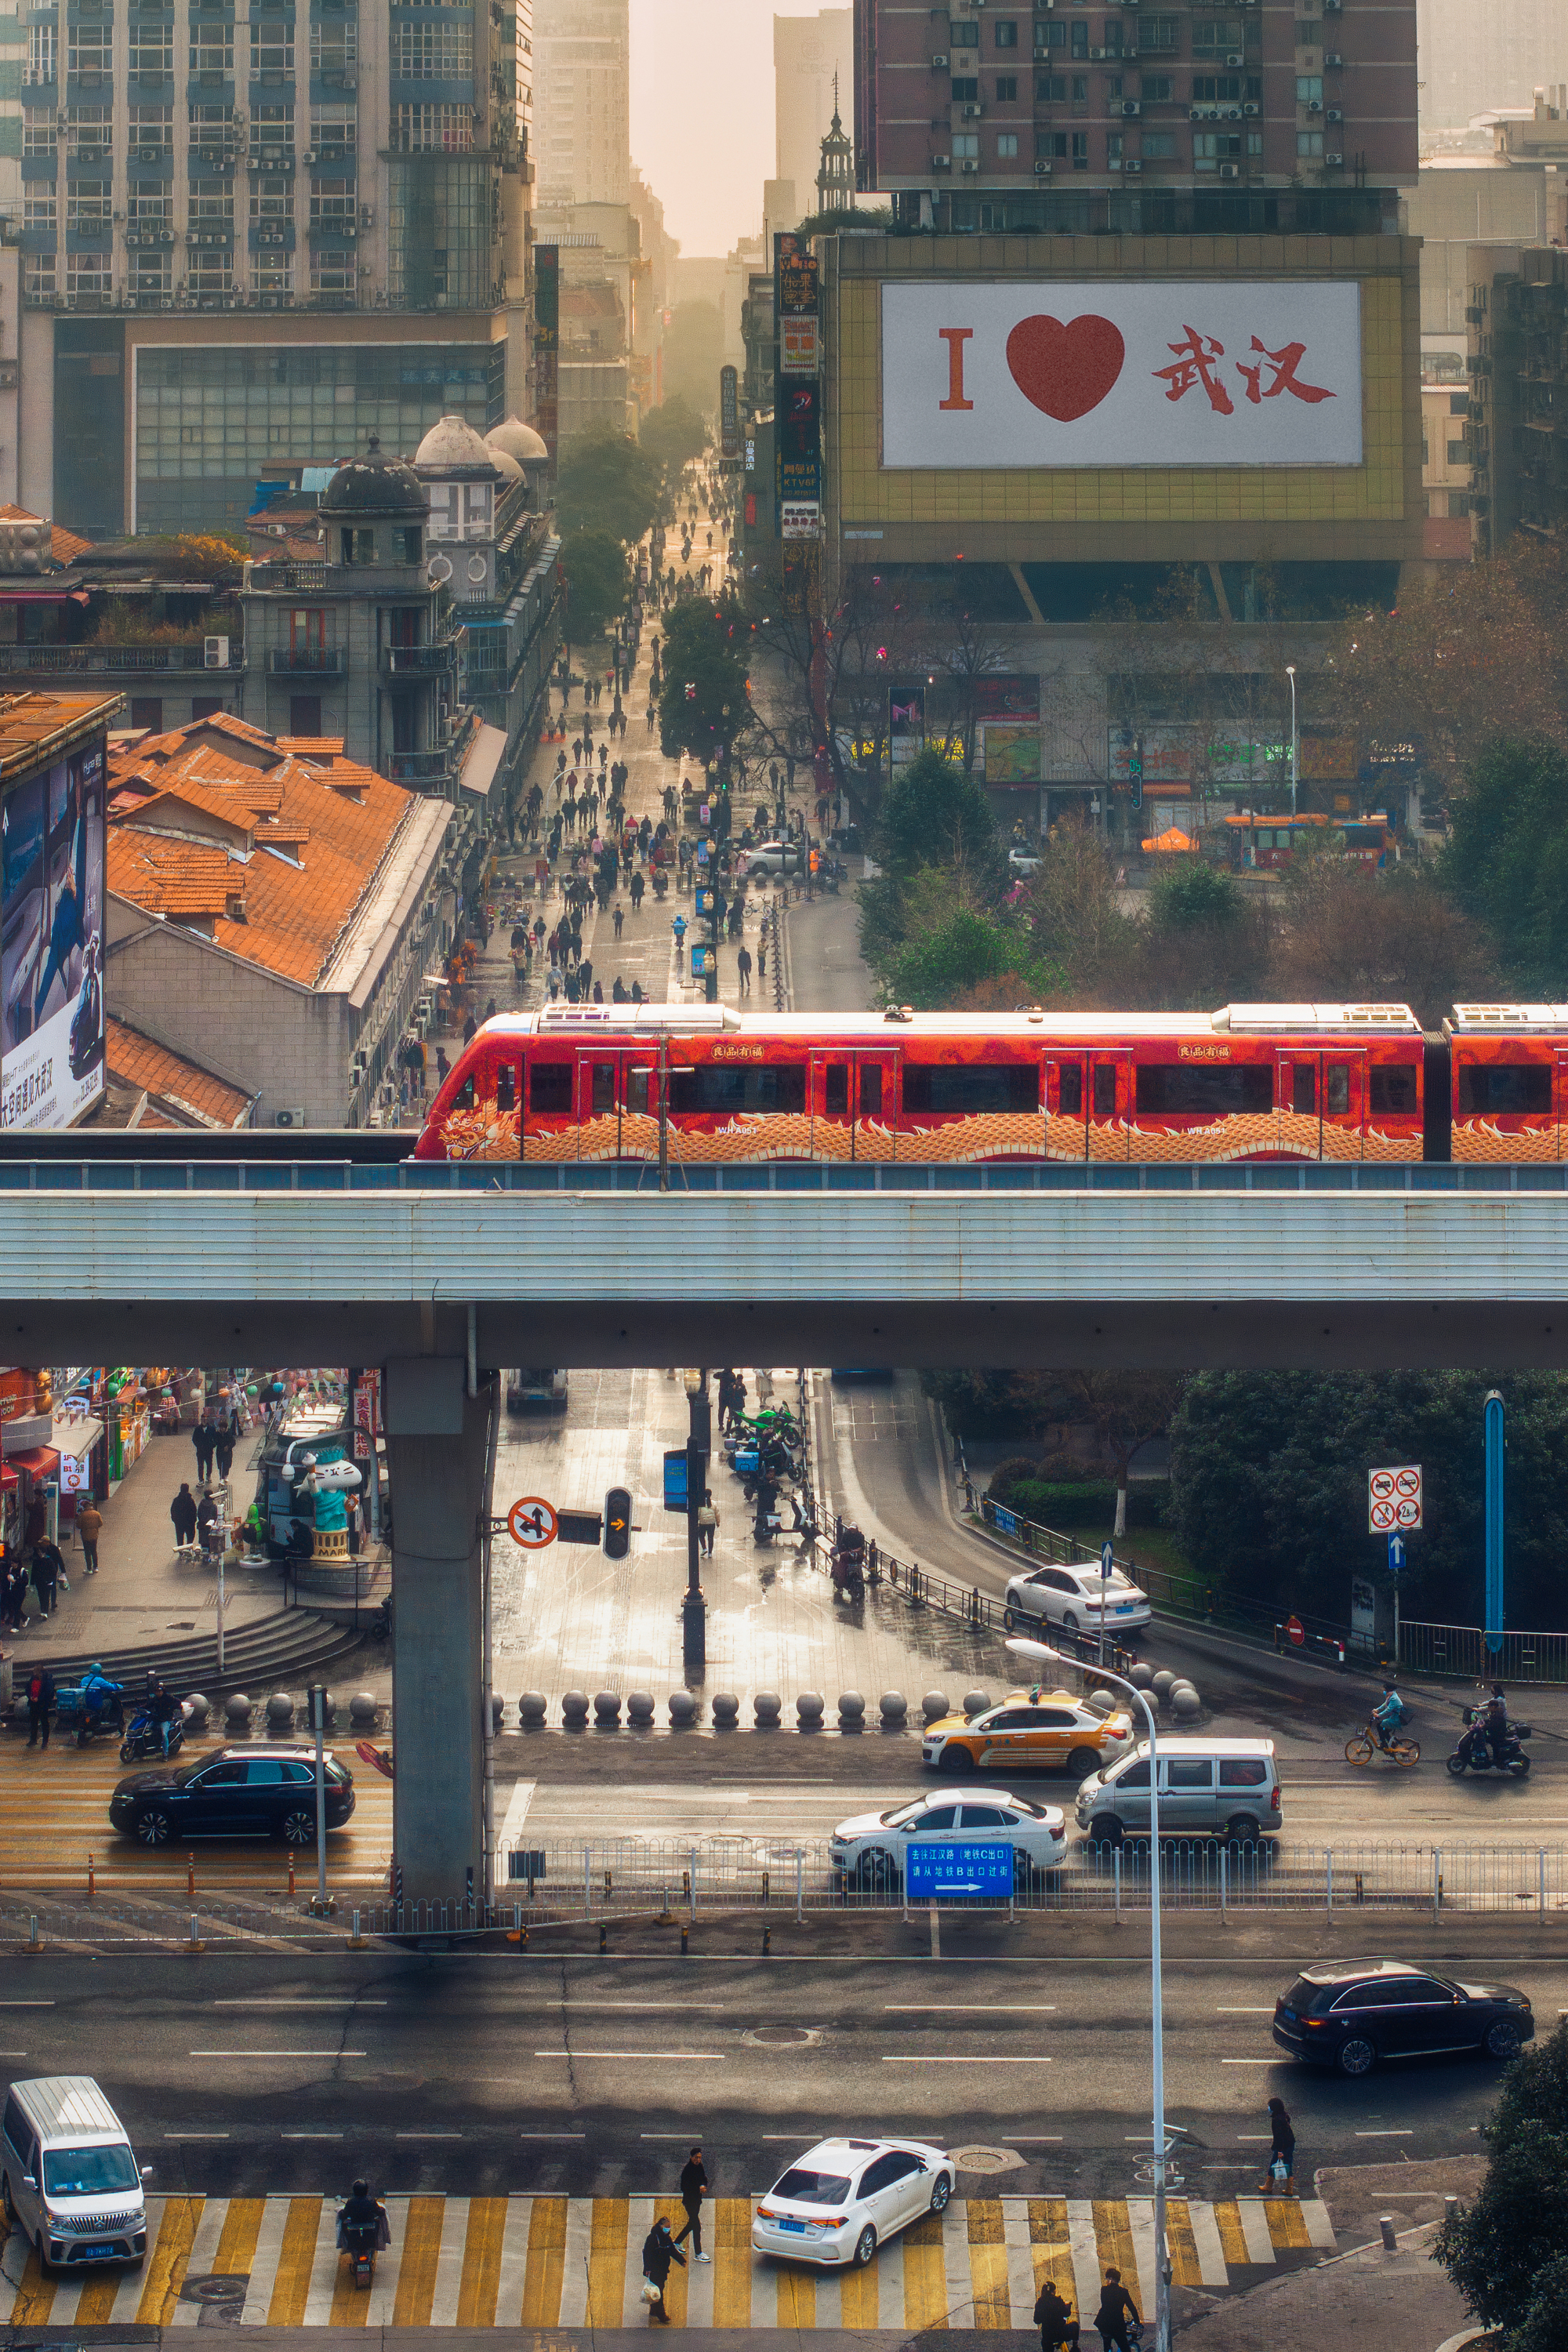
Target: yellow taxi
[(1032, 1730)]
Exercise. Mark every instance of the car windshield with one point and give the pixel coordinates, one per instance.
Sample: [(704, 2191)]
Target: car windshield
[(899, 1814), (1302, 1995), (802, 2186), (88, 2171)]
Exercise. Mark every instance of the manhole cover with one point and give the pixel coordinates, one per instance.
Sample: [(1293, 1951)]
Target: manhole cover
[(228, 2286), (985, 2159), (778, 2036)]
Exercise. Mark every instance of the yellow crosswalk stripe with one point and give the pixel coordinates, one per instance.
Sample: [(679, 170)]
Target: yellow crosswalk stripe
[(555, 2261)]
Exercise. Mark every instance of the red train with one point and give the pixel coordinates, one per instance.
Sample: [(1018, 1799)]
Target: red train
[(1249, 1082)]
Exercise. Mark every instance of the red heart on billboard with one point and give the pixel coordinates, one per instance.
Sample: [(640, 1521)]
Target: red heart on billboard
[(1065, 369)]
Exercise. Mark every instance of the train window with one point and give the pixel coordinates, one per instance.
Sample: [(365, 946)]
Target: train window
[(1105, 1090), (637, 1089), (1509, 1089), (720, 1086), (1191, 1090), (1304, 1088), (1337, 1089), (835, 1089), (871, 1090), (604, 1089), (506, 1086), (1069, 1091), (934, 1087), (464, 1097), (549, 1087), (1391, 1087)]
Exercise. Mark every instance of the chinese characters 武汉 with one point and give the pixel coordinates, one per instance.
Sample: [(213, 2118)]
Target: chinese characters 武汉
[(1195, 363)]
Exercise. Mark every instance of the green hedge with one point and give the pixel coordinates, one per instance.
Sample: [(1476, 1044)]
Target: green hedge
[(1054, 1504)]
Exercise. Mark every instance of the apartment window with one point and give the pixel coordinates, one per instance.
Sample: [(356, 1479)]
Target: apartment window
[(151, 52), (212, 204), (1255, 142), (87, 205), (38, 213), (1213, 148), (1081, 151), (334, 44), (305, 714), (1050, 142), (1113, 86), (1224, 34), (270, 126), (965, 89), (39, 130), (1456, 456), (272, 274), (1308, 33), (89, 52), (1213, 86), (150, 279), (88, 278), (272, 45), (1155, 89), (332, 202), (308, 632), (965, 142), (1006, 145), (432, 52), (1459, 404), (1161, 37), (332, 272), (1159, 146), (42, 53), (1051, 89), (1079, 43), (1006, 89), (1007, 33), (1308, 89), (39, 278), (150, 129), (212, 48), (212, 128), (334, 124), (1113, 148), (271, 201), (1309, 143), (147, 711), (432, 130), (211, 271), (146, 209), (1458, 505), (88, 133)]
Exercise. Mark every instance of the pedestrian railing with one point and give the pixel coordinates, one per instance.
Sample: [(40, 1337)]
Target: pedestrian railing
[(965, 1604), (1467, 1652)]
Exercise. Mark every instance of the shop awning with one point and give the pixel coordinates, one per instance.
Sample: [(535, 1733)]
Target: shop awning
[(480, 768), (9, 1478), (1172, 840), (38, 1462), (77, 1434)]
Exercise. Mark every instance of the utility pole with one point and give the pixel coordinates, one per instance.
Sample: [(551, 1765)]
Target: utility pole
[(698, 1443)]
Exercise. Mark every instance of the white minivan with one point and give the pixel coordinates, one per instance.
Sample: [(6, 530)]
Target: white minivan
[(69, 2180), (1226, 1788)]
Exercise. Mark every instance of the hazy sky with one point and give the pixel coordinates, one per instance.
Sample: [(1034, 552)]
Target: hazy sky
[(703, 112)]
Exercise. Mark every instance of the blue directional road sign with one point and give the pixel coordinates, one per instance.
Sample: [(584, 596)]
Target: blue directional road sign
[(958, 1866), (1396, 1555), (675, 1486)]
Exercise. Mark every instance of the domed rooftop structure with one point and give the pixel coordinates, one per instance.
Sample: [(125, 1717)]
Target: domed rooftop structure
[(519, 441), (373, 486), (452, 446), (507, 468)]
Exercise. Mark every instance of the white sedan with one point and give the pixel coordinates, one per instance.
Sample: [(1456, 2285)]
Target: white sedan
[(1077, 1598), (870, 1848), (838, 2202), (771, 858)]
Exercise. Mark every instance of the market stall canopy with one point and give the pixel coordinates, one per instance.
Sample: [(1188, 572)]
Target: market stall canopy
[(1172, 840), (38, 1462), (76, 1434)]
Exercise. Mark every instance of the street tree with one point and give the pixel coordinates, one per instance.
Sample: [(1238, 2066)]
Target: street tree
[(704, 709), (1125, 1411), (607, 483), (672, 435), (598, 580), (1506, 861), (1507, 2252)]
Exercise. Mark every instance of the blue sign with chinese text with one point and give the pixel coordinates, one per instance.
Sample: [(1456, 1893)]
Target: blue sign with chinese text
[(958, 1866)]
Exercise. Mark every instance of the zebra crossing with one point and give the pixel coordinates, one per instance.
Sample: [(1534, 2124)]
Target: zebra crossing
[(567, 2262)]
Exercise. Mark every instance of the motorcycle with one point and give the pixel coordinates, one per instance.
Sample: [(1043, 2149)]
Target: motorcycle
[(362, 2241), (97, 1705), (143, 1738), (849, 1563), (1474, 1752)]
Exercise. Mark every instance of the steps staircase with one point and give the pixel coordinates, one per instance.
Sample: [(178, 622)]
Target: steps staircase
[(282, 1651)]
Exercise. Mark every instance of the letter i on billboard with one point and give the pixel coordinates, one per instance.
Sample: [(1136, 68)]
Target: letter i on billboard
[(1049, 374)]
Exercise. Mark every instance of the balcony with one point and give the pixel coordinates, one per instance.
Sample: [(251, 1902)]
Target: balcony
[(314, 661), (99, 661), (417, 661), (443, 765)]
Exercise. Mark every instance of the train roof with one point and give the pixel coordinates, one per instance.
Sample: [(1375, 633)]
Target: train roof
[(583, 1021), (1506, 1020)]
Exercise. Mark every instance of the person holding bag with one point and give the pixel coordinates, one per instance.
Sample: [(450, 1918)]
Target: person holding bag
[(658, 2250)]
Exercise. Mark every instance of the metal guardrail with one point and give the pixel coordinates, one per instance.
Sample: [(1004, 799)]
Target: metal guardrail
[(1464, 1651)]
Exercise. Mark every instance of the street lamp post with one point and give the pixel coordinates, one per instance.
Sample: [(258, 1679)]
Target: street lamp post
[(694, 1608), (1295, 739), (1026, 1649)]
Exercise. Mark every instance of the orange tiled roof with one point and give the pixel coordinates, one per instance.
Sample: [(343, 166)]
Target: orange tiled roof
[(330, 842), (65, 544), (170, 1081)]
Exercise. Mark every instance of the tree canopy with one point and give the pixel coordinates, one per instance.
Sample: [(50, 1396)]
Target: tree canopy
[(598, 580), (607, 483), (1507, 858), (933, 814), (1508, 2252), (704, 707), (673, 433)]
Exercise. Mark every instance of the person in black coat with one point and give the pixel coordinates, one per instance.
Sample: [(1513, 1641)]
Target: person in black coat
[(658, 2250), (1054, 2319), (693, 2189), (1281, 2143), (1116, 2308), (182, 1511)]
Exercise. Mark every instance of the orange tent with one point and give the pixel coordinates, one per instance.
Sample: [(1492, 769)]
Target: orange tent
[(1172, 840)]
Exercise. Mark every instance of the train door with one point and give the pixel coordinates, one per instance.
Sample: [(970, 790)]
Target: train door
[(1298, 1097), (877, 1104), (618, 1083), (1067, 1106), (855, 1097), (1321, 1097), (1109, 1092), (832, 1082)]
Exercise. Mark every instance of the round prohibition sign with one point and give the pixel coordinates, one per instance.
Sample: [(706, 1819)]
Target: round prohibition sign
[(1407, 1482), (1382, 1484), (1408, 1513), (1385, 1517), (531, 1522)]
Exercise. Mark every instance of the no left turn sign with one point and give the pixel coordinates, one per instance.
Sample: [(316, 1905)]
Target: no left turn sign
[(532, 1522)]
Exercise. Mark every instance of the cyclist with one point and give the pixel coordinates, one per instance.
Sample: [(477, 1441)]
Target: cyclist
[(1389, 1716)]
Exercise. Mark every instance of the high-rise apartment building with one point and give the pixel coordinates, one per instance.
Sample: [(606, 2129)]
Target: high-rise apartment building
[(1474, 59), (260, 228), (810, 53), (583, 100), (1246, 115)]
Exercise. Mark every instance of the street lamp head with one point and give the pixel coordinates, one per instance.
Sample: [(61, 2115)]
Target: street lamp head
[(693, 1380), (1021, 1647), (1289, 669)]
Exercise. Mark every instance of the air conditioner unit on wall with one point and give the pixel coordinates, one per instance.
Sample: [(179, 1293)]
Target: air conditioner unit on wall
[(1042, 171), (939, 62), (294, 1117), (970, 163), (214, 653), (1132, 164), (1230, 171)]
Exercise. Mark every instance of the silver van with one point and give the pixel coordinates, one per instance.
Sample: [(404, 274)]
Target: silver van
[(1228, 1788), (68, 2178)]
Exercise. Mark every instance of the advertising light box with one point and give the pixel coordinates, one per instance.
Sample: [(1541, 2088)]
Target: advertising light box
[(1160, 374), (51, 964)]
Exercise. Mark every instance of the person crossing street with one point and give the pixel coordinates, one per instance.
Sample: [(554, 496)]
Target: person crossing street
[(693, 2185)]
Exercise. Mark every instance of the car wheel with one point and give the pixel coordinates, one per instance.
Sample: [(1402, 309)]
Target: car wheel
[(1356, 2056), (877, 1870), (864, 2246), (1503, 2040), (1241, 1830), (297, 1827), (1009, 1621), (1106, 1830), (1023, 1870), (954, 1759), (153, 1827), (1082, 1761), (940, 2190), (1069, 1621)]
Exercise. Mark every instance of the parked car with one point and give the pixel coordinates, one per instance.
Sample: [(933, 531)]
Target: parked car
[(869, 1848), (1039, 1731), (771, 858), (531, 1390), (70, 2183), (838, 2202), (1351, 2014), (1077, 1598), (1225, 1788), (1023, 862), (237, 1793)]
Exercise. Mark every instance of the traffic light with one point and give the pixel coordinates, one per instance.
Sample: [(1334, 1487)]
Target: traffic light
[(618, 1523)]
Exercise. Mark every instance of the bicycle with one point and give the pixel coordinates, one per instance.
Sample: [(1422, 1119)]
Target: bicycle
[(1402, 1751)]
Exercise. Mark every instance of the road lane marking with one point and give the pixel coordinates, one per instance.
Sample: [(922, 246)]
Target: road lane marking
[(277, 2054), (1255, 2062), (1396, 2131), (969, 2008), (968, 2061), (1239, 2008), (339, 2001), (704, 2057)]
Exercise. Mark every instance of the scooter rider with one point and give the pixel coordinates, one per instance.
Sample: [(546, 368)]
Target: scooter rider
[(361, 2222), (1492, 1726)]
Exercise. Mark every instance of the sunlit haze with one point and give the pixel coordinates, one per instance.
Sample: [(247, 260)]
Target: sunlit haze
[(702, 113)]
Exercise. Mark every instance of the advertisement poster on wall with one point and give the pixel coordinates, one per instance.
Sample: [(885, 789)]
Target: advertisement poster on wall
[(1126, 373), (1011, 755), (51, 944)]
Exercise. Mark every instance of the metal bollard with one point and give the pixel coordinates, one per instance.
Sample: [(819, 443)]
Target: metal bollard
[(685, 1945), (767, 1941), (603, 1938), (91, 1879), (194, 1939), (191, 1877), (291, 1875), (33, 1932), (1386, 2232), (1450, 2209)]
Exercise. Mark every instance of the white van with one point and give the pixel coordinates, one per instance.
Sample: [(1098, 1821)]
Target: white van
[(1228, 1788), (68, 2178)]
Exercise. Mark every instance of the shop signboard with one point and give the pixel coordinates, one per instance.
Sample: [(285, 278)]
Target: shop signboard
[(797, 285), (1004, 695), (729, 412), (51, 943), (1123, 372), (1011, 754), (800, 346), (800, 518)]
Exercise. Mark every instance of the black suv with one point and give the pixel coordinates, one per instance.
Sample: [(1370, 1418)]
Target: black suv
[(1350, 2013), (237, 1793)]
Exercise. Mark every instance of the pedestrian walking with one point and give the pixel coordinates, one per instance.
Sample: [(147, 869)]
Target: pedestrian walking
[(707, 1534), (90, 1526), (762, 957), (223, 1450), (1054, 2319), (40, 1698), (693, 2183), (204, 1437), (658, 2250), (743, 969), (182, 1511), (1116, 2308), (618, 917), (1281, 2179), (48, 1568), (636, 886)]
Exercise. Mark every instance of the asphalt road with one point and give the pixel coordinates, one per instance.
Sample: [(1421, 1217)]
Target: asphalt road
[(547, 2071)]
